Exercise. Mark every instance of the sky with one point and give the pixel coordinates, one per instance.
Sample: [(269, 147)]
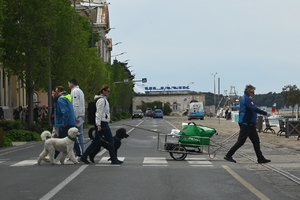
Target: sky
[(182, 43)]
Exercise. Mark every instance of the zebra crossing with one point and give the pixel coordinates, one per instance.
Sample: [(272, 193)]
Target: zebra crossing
[(146, 162)]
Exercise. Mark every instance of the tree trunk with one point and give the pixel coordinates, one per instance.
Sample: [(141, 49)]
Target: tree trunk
[(30, 92)]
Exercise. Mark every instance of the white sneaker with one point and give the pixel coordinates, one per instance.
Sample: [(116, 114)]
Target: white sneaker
[(46, 159)]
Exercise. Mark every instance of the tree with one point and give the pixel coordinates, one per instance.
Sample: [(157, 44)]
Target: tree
[(1, 24), (39, 43), (291, 95)]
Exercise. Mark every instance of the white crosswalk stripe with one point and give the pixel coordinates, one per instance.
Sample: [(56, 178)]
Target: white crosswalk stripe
[(155, 161), (24, 163), (199, 162), (104, 162), (147, 162)]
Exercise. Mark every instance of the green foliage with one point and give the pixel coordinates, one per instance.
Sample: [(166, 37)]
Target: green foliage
[(259, 100), (269, 100), (42, 39), (38, 128), (121, 115), (291, 94), (1, 25), (7, 142), (10, 125), (22, 135)]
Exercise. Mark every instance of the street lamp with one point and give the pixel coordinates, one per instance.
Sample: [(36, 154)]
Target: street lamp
[(190, 83), (119, 54), (116, 43), (214, 88)]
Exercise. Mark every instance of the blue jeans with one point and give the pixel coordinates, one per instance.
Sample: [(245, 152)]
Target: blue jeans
[(81, 138), (106, 133), (63, 132)]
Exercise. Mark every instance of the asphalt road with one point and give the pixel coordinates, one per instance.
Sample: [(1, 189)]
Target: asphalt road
[(146, 173)]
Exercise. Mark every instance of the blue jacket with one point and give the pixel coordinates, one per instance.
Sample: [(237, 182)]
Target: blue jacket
[(248, 111), (63, 110)]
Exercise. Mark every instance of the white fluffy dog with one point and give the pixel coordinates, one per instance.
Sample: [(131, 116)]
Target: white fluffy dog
[(64, 145)]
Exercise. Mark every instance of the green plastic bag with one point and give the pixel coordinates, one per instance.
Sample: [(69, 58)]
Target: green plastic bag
[(203, 134)]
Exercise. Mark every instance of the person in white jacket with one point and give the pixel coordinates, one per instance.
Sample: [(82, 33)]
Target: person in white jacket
[(78, 103), (102, 128)]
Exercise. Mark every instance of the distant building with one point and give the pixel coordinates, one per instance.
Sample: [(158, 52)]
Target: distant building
[(178, 100), (98, 14)]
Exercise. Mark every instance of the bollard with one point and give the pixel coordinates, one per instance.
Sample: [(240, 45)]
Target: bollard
[(259, 123)]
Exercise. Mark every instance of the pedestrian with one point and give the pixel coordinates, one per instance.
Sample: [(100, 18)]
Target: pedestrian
[(16, 113), (247, 122), (23, 115), (78, 103), (55, 130), (102, 127), (1, 113), (36, 114), (44, 112), (64, 117)]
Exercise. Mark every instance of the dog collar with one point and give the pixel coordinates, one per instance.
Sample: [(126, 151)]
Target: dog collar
[(73, 139), (117, 138)]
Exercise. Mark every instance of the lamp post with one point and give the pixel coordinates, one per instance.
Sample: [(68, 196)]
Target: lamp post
[(190, 83), (119, 54), (214, 74), (116, 43)]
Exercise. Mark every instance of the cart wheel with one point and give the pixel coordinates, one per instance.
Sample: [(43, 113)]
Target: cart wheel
[(178, 156)]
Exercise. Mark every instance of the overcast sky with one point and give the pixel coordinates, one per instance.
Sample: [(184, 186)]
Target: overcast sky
[(172, 42)]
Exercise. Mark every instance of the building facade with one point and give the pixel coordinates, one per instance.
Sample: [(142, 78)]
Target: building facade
[(98, 14), (178, 100), (12, 94)]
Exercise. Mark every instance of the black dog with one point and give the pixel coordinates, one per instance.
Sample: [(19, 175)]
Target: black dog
[(120, 134)]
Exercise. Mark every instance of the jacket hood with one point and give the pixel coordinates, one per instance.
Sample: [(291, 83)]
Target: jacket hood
[(98, 96), (66, 95)]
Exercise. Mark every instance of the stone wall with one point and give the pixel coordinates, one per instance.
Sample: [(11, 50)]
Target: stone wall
[(178, 101)]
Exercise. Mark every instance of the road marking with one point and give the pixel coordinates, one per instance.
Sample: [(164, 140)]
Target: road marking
[(25, 163), (60, 186), (104, 162), (246, 184), (172, 125), (155, 160), (148, 161), (199, 162)]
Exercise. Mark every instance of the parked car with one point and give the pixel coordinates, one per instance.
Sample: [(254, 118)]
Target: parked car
[(158, 113), (137, 114), (149, 113)]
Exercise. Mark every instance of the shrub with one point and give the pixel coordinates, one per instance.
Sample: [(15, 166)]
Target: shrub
[(10, 125), (22, 135), (38, 128), (7, 142)]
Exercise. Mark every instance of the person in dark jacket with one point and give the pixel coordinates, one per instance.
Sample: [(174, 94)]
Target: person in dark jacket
[(247, 122), (1, 113)]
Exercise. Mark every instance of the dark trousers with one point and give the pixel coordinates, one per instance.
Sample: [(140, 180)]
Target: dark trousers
[(63, 132), (96, 143), (247, 131)]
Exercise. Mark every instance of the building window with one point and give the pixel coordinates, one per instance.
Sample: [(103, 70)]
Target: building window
[(174, 106)]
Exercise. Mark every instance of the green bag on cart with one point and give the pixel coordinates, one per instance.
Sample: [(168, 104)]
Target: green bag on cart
[(204, 134)]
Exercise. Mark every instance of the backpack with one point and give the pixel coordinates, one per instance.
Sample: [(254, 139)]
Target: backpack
[(91, 111)]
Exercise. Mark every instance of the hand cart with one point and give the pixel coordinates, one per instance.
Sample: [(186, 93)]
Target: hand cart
[(179, 150), (169, 142)]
